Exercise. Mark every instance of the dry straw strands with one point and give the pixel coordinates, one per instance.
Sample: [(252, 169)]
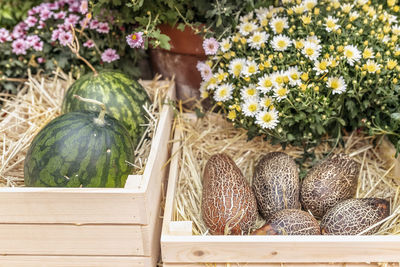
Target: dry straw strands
[(22, 116), (204, 137)]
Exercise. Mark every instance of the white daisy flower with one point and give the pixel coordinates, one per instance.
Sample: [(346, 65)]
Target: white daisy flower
[(396, 29), (362, 2), (203, 90), (257, 39), (223, 92), (337, 84), (299, 9), (278, 24), (354, 15), (280, 42), (331, 24), (246, 28), (205, 70), (311, 50), (278, 78), (250, 107), (265, 83), (386, 39), (267, 119), (225, 45), (280, 92), (247, 17), (266, 102), (250, 68), (310, 4), (294, 76), (371, 66), (321, 67), (368, 53), (352, 54), (392, 19), (313, 39), (249, 91), (236, 66)]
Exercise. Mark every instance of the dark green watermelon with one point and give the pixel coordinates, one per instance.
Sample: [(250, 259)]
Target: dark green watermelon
[(124, 99), (74, 150)]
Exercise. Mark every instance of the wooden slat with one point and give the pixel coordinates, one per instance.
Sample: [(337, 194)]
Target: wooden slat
[(58, 239), (279, 265), (264, 249), (75, 261)]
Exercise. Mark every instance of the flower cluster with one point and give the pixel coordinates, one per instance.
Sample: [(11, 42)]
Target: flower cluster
[(309, 69), (41, 40)]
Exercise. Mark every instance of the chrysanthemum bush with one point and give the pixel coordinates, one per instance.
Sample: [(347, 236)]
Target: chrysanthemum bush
[(40, 42), (308, 71)]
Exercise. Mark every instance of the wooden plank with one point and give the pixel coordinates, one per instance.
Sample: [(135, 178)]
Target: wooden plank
[(264, 249), (234, 264), (75, 261), (59, 239), (89, 205)]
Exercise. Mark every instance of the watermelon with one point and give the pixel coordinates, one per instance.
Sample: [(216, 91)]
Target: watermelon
[(123, 97), (78, 149)]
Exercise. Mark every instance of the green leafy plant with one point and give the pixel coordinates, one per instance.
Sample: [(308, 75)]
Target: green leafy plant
[(13, 11), (309, 70)]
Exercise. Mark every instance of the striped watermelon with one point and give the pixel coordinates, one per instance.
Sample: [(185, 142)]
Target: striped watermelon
[(123, 97), (76, 150)]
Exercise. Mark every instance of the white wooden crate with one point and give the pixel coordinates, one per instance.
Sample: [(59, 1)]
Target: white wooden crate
[(89, 226), (180, 248)]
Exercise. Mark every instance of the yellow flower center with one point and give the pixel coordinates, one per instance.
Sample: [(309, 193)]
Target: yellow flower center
[(267, 117), (310, 51), (279, 26), (251, 91), (223, 92), (247, 27), (367, 53), (371, 67), (391, 64), (281, 44), (134, 37), (267, 102), (294, 76), (323, 65), (232, 115), (252, 69), (330, 24), (348, 53), (252, 107), (279, 79), (335, 84), (281, 91), (267, 83), (256, 38)]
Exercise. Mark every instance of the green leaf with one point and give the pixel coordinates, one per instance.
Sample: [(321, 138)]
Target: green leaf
[(181, 26)]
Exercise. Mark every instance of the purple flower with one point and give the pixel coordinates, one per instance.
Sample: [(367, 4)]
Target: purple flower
[(38, 46), (84, 23), (19, 47), (74, 6), (53, 6), (83, 7), (135, 40), (60, 15), (205, 70), (45, 14), (109, 55), (31, 21), (210, 46), (35, 10), (41, 60), (89, 44), (71, 20), (65, 38), (32, 39), (94, 24), (19, 31), (4, 35), (103, 27), (55, 34), (41, 24)]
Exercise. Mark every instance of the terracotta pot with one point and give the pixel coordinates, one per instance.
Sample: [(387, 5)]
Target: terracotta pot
[(181, 60)]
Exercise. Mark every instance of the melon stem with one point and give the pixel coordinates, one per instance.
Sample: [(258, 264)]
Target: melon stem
[(100, 119)]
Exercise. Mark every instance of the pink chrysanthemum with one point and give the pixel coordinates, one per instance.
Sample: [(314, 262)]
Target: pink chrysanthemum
[(88, 44), (94, 24), (41, 25), (72, 19), (84, 23), (103, 27), (55, 34), (210, 46), (45, 14), (74, 6), (83, 7), (38, 46), (53, 6), (60, 15), (205, 71), (41, 60), (31, 21), (109, 55), (4, 35), (35, 10), (135, 40), (19, 47), (65, 38), (32, 39)]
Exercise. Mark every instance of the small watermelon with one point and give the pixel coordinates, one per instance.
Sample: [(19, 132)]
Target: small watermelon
[(79, 149), (123, 97)]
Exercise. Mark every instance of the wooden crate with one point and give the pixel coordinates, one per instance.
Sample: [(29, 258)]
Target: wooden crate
[(89, 226), (180, 248)]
